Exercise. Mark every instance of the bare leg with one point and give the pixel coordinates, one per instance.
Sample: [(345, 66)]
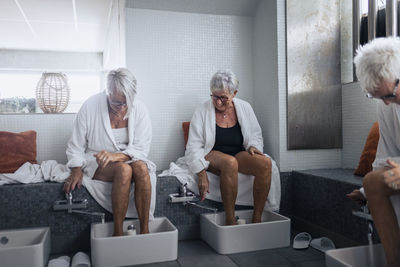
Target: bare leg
[(226, 167), (260, 166), (142, 194), (120, 174), (383, 214)]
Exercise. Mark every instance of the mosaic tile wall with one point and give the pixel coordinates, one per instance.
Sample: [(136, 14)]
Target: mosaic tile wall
[(359, 113), (53, 132), (173, 56)]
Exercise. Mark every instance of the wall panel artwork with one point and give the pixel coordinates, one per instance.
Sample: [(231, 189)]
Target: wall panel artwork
[(313, 70)]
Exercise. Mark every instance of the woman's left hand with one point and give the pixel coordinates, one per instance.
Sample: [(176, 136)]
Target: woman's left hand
[(392, 176), (103, 158), (252, 150)]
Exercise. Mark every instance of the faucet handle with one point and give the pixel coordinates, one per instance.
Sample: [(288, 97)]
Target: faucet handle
[(183, 190), (68, 196)]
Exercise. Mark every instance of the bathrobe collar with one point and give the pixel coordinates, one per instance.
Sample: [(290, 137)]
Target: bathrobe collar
[(212, 123), (107, 122)]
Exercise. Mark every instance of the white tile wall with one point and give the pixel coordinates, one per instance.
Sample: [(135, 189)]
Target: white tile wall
[(266, 87), (296, 159), (173, 56), (359, 113), (53, 132)]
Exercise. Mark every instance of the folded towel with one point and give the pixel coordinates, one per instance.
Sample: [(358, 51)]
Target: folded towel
[(80, 259), (62, 261)]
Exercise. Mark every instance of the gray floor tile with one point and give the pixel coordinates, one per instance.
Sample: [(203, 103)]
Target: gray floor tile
[(295, 255), (160, 264), (193, 248), (263, 258), (206, 261)]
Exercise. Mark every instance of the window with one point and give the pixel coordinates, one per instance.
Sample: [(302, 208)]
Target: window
[(18, 90)]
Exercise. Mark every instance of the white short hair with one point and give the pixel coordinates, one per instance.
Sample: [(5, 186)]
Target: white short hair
[(122, 81), (224, 80), (378, 61)]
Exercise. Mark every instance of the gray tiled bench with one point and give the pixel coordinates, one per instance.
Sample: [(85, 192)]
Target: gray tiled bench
[(313, 199), (319, 206)]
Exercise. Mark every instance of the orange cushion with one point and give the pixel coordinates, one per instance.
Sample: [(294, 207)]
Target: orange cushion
[(16, 149), (185, 128), (369, 152)]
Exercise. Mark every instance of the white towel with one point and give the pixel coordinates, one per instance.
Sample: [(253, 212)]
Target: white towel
[(50, 170), (245, 184), (28, 173)]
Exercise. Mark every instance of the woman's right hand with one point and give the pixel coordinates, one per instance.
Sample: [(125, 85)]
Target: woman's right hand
[(203, 184), (74, 180)]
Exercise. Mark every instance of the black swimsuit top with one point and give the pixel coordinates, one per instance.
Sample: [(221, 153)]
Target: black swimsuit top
[(229, 140)]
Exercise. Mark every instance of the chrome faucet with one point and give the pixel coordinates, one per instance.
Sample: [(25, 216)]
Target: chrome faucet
[(363, 213), (69, 203), (215, 210), (74, 206), (101, 214)]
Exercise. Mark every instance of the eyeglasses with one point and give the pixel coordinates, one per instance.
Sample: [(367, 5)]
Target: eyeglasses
[(223, 99), (116, 103), (388, 96)]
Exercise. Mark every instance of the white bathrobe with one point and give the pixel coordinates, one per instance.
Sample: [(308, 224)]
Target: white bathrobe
[(202, 140), (92, 133), (389, 142)]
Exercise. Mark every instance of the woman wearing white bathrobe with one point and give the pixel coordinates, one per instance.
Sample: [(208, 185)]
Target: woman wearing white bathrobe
[(110, 142), (225, 138)]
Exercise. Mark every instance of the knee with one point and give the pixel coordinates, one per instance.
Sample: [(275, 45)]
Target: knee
[(373, 184), (123, 172), (230, 164), (264, 167), (140, 171)]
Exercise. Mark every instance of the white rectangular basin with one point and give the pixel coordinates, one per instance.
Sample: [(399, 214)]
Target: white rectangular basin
[(161, 244), (272, 232), (362, 256), (25, 247)]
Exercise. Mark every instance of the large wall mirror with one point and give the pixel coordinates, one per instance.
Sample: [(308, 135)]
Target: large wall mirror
[(313, 74)]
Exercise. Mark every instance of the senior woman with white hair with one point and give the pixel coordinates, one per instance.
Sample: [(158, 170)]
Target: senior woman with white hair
[(110, 142), (378, 69), (225, 138)]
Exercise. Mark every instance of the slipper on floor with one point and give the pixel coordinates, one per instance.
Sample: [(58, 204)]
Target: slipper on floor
[(62, 261), (80, 259), (301, 240), (322, 244)]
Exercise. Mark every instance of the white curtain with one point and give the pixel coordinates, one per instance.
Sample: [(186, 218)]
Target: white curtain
[(115, 45)]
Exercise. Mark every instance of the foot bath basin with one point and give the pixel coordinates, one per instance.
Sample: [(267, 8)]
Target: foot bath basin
[(161, 244), (272, 232), (362, 256), (25, 247)]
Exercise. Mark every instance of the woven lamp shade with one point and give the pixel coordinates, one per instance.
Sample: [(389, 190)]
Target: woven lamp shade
[(52, 92)]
